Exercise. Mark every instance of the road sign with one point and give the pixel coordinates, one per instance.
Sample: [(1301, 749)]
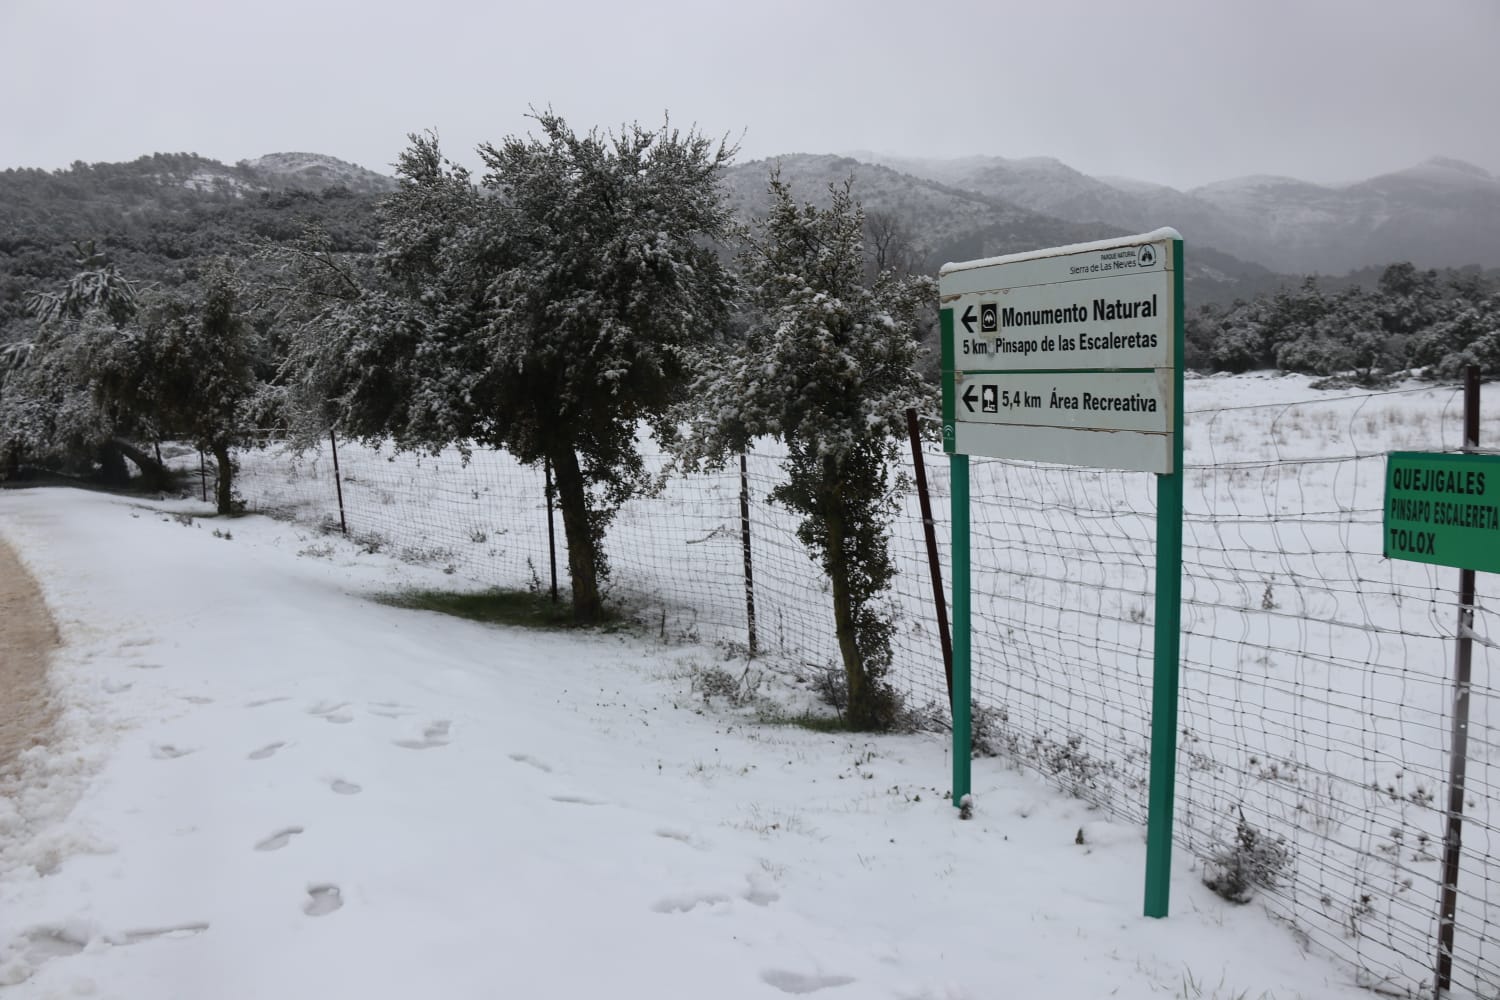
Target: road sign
[(1094, 326), (1443, 509), (1074, 355)]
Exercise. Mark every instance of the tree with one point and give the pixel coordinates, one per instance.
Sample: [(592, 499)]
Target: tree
[(192, 372), (550, 314), (51, 403), (892, 245), (1240, 343), (827, 366)]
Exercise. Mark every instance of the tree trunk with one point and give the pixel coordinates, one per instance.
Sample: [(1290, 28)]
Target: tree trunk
[(861, 712), (572, 498), (224, 485), (112, 468), (153, 473)]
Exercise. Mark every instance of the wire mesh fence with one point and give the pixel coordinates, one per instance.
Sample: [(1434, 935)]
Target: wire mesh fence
[(1316, 691)]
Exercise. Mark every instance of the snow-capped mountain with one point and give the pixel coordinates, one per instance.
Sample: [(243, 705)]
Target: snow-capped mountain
[(1440, 213)]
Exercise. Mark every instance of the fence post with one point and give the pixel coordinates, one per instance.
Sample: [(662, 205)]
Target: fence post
[(551, 533), (745, 545), (1458, 757), (338, 480), (934, 567), (203, 475)]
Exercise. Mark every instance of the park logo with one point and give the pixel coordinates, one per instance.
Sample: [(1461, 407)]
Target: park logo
[(989, 317)]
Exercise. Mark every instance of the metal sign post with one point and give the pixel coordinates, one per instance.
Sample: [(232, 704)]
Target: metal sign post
[(1073, 355), (1444, 510)]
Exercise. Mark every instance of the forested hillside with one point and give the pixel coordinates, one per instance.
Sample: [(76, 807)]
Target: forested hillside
[(173, 227), (161, 216)]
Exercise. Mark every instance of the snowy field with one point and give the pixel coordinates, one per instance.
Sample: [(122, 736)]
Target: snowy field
[(1316, 673), (1315, 691), (268, 785)]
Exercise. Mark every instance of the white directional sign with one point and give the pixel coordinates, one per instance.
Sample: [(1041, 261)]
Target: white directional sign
[(1079, 344)]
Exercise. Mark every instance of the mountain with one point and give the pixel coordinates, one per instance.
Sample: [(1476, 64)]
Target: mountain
[(159, 216), (955, 221), (1440, 213), (315, 172)]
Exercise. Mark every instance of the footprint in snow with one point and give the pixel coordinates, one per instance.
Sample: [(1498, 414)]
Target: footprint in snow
[(197, 699), (265, 751), (578, 800), (343, 787), (279, 839), (435, 735), (756, 894), (687, 901), (43, 943), (166, 751), (266, 701), (322, 900), (117, 687), (152, 933), (797, 982), (40, 945), (332, 711), (526, 758)]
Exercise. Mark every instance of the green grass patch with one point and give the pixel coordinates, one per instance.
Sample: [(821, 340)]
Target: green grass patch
[(521, 608), (777, 716)]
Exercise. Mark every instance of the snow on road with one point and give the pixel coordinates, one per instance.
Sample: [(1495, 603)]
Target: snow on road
[(267, 785)]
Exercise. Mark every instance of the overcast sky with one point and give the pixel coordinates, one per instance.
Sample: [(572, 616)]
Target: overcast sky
[(1176, 91)]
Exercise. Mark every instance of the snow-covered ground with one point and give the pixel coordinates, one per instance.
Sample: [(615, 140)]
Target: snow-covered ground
[(266, 784), (1316, 681)]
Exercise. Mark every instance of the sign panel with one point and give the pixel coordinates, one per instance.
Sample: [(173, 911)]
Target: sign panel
[(1104, 400), (1080, 344), (1111, 322), (1443, 509)]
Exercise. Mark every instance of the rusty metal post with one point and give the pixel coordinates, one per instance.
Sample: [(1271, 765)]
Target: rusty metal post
[(745, 546), (1458, 757), (934, 567), (338, 480), (551, 532)]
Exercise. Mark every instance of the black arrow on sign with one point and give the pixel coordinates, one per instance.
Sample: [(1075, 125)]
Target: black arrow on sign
[(969, 393), (968, 321)]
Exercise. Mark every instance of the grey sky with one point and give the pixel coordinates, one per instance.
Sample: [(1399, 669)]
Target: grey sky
[(1176, 91)]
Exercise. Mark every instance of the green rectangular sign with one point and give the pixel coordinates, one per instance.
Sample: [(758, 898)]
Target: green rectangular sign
[(1443, 509)]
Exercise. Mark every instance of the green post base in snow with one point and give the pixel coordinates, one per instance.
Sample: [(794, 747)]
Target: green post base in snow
[(962, 755), (1164, 683)]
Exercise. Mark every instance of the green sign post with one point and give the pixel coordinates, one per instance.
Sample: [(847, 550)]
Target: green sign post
[(1073, 355), (1443, 509)]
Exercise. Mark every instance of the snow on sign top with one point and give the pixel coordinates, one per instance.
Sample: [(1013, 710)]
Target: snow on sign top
[(1166, 233)]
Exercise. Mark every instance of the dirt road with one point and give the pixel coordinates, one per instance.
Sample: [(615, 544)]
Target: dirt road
[(27, 637)]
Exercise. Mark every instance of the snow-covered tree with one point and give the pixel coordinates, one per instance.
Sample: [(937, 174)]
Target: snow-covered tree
[(195, 371), (51, 407), (1470, 336), (110, 365), (549, 314), (828, 366)]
